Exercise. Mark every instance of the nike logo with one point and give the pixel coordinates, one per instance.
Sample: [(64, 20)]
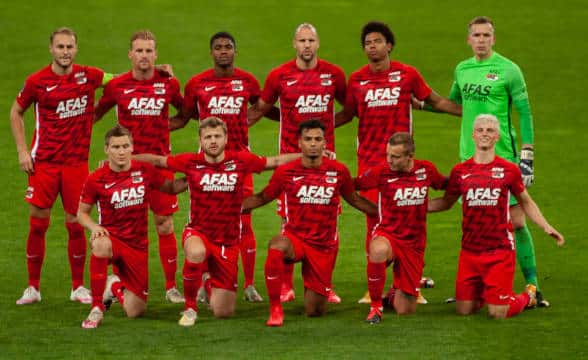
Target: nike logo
[(250, 251), (271, 277), (171, 261), (79, 256), (373, 279), (503, 297), (32, 256), (108, 186), (296, 178), (51, 88), (208, 88), (465, 176), (174, 206), (290, 83), (128, 91), (200, 166), (362, 83), (145, 293), (392, 180)]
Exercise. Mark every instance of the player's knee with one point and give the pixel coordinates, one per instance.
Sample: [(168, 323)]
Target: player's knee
[(378, 251), (164, 224), (102, 247), (134, 309), (279, 243), (223, 312), (314, 310), (497, 313), (194, 253)]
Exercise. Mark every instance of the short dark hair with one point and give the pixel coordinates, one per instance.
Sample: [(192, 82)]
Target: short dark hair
[(223, 35), (480, 20), (402, 138), (117, 131), (310, 124), (377, 27), (142, 35), (212, 122), (63, 30)]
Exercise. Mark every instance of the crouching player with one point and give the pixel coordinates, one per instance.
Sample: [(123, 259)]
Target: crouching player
[(311, 186), (485, 272), (403, 185), (121, 189)]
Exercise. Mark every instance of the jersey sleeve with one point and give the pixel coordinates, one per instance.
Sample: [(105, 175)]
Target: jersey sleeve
[(156, 178), (89, 193), (107, 100), (95, 76), (453, 183), (340, 85), (520, 98), (176, 99), (350, 100), (275, 185), (254, 88), (438, 181), (455, 91), (420, 88), (254, 162), (347, 186), (27, 95), (368, 180), (516, 184), (191, 98), (271, 90), (179, 163)]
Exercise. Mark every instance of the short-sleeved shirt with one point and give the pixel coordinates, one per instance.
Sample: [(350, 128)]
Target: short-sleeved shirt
[(382, 102), (216, 192), (64, 113), (402, 199), (311, 199), (225, 98), (122, 199), (304, 95), (142, 106), (485, 190)]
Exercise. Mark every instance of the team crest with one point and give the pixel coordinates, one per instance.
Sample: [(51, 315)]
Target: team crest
[(421, 174), (497, 173), (326, 82), (237, 87), (81, 78), (394, 76), (331, 180), (491, 77), (230, 165)]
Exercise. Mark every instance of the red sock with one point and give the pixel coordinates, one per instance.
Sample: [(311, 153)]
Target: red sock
[(274, 269), (168, 253), (192, 274), (98, 273), (36, 249), (376, 273), (76, 251), (518, 304), (288, 275), (248, 249)]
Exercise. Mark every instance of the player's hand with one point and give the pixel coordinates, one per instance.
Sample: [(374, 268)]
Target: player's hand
[(559, 239), (165, 70), (98, 231), (417, 104), (26, 162), (526, 166), (329, 154)]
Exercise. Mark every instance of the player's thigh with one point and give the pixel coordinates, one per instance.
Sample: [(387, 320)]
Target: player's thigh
[(499, 277), (222, 302), (134, 305), (468, 283), (101, 246), (287, 244), (223, 266), (43, 187), (132, 266), (317, 269), (315, 304), (72, 182), (408, 267)]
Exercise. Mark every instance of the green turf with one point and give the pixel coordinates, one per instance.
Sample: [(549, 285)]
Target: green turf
[(546, 39)]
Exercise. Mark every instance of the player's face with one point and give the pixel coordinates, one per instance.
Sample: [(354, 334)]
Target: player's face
[(481, 39), (63, 49), (119, 151), (398, 158), (213, 141), (376, 47), (143, 54), (485, 135), (223, 52), (306, 43), (312, 143)]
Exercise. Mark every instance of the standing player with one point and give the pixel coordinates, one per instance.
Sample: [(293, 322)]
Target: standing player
[(63, 93), (307, 88), (489, 83), (216, 179), (120, 188), (142, 97), (400, 236), (311, 188), (225, 92), (486, 267), (379, 94)]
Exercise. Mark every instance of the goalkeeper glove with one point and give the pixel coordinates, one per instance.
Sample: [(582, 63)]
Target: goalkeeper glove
[(526, 166)]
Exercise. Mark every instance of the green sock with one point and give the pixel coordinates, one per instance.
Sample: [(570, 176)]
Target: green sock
[(526, 255)]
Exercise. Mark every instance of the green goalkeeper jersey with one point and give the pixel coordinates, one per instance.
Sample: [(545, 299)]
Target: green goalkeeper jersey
[(492, 86)]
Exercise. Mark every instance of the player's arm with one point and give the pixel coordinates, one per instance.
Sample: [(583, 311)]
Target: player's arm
[(344, 116), (439, 103), (518, 92), (258, 110), (84, 218), (174, 187), (360, 203), (18, 132), (101, 109), (442, 203), (275, 161), (254, 201), (155, 160), (532, 211), (182, 118)]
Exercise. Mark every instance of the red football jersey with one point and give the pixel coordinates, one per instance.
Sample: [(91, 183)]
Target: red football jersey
[(304, 95), (216, 192), (64, 113), (403, 198), (485, 193), (382, 102), (226, 98), (142, 106), (122, 199), (311, 199)]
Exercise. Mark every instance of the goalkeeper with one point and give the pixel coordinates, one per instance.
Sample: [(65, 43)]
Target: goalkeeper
[(489, 83)]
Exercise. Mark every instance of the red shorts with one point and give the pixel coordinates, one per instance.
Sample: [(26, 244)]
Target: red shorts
[(317, 265), (161, 203), (48, 180), (132, 266), (222, 261), (408, 265), (486, 276)]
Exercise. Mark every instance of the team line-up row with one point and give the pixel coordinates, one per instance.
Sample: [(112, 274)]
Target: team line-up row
[(381, 94)]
